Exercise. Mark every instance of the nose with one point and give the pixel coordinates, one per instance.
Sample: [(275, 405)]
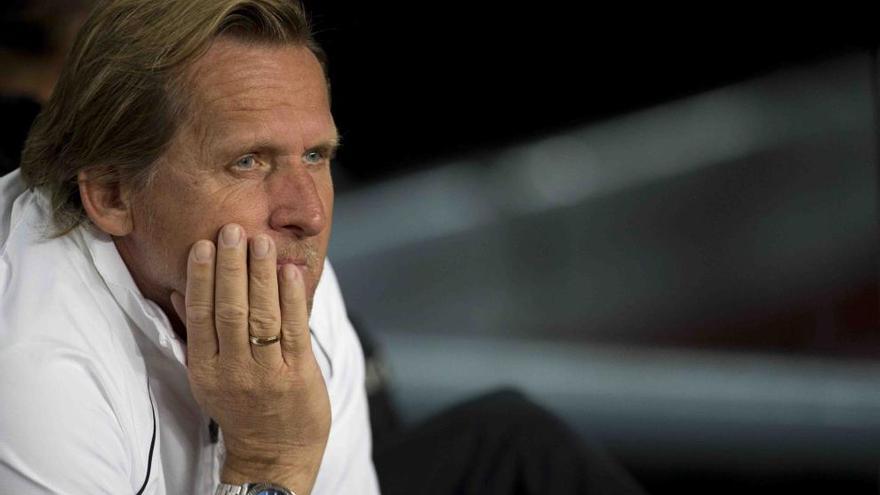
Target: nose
[(296, 203)]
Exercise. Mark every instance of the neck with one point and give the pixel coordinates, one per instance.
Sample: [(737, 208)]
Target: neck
[(152, 291)]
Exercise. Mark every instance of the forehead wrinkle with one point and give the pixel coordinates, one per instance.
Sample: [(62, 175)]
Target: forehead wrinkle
[(248, 94), (224, 100), (212, 72), (240, 90), (224, 113), (241, 127), (229, 118)]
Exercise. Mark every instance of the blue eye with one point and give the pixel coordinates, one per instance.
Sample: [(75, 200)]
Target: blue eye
[(246, 162), (314, 157)]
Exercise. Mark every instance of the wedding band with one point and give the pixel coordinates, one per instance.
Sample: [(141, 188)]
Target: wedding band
[(264, 341)]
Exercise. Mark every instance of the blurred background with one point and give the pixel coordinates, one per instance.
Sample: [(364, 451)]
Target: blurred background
[(663, 226)]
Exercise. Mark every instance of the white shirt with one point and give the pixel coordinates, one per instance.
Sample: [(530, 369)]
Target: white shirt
[(86, 361)]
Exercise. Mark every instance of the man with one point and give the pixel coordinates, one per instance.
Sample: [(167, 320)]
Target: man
[(162, 265)]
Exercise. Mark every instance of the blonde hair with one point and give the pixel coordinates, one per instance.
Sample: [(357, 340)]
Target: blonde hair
[(121, 94)]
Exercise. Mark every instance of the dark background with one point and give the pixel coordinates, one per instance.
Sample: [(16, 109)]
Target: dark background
[(532, 195), (414, 83)]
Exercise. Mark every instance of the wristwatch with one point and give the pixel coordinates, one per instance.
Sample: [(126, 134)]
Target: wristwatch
[(264, 488)]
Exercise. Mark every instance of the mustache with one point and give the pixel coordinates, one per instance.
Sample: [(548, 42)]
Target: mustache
[(300, 251)]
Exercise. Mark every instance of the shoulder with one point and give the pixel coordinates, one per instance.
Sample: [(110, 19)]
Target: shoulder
[(46, 282), (11, 189), (72, 388), (49, 289), (64, 426)]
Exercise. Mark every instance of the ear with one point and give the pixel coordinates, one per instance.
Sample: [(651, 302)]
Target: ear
[(107, 204)]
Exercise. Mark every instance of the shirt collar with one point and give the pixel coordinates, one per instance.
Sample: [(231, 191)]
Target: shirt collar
[(146, 314)]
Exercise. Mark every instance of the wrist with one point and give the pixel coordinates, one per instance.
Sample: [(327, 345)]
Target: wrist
[(298, 477)]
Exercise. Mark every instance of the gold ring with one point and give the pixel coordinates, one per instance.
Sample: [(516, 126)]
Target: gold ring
[(264, 341)]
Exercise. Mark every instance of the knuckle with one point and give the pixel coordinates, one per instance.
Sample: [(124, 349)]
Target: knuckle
[(230, 313), (263, 320), (260, 280), (200, 314), (293, 323), (231, 268)]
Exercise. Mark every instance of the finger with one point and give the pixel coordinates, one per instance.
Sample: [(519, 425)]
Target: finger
[(198, 312), (264, 312), (295, 338), (230, 294)]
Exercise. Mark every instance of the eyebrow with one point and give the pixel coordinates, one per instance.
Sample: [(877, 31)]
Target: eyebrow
[(333, 143)]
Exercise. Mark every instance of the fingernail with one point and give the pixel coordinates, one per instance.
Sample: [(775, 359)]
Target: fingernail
[(231, 235), (261, 246), (203, 251)]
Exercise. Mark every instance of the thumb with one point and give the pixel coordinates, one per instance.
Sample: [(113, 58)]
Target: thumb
[(179, 306)]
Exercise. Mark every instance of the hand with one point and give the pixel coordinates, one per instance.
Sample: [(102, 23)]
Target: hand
[(271, 401)]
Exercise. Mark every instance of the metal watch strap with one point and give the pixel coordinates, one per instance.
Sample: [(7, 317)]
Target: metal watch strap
[(226, 489)]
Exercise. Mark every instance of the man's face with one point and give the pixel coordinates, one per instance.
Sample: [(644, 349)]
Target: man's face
[(256, 152)]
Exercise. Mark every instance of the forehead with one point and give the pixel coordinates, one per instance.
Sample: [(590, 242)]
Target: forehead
[(241, 87)]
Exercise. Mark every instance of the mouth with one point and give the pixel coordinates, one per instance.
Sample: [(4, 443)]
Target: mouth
[(303, 256)]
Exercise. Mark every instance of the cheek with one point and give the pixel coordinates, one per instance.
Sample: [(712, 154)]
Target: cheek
[(171, 221), (246, 206), (325, 190), (330, 195)]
